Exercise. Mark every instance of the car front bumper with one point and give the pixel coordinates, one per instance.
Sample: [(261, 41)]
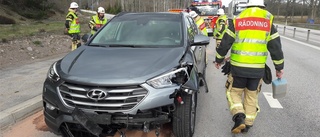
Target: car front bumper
[(57, 112)]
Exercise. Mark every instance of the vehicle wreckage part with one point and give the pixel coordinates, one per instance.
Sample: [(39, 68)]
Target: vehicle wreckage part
[(146, 127), (65, 131), (81, 117), (122, 133), (179, 99), (157, 131), (203, 84), (169, 79)]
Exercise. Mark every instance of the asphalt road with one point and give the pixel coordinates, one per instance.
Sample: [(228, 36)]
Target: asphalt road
[(295, 115)]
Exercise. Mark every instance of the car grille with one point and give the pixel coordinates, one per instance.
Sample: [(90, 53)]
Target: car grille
[(118, 98)]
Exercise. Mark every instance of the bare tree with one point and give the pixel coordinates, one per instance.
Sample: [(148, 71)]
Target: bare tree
[(314, 4), (287, 9), (292, 10), (302, 10)]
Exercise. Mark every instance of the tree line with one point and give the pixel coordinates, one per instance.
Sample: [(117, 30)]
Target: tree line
[(306, 9), (137, 5)]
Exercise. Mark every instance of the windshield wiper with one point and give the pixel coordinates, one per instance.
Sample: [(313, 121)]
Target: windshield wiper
[(98, 45), (129, 46)]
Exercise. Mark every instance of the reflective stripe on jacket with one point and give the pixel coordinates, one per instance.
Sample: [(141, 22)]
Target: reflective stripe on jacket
[(96, 22), (252, 31), (74, 25), (202, 26)]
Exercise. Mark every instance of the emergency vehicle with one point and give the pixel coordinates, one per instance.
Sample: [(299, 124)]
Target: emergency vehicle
[(235, 7), (207, 9), (178, 10)]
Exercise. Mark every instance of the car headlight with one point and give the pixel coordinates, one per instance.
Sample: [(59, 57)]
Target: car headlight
[(173, 78), (52, 73)]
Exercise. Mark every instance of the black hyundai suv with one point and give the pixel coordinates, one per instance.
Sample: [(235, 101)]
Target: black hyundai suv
[(140, 71)]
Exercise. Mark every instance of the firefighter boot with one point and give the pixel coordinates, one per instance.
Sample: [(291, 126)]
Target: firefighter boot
[(245, 130), (251, 106), (74, 45), (238, 123), (78, 43)]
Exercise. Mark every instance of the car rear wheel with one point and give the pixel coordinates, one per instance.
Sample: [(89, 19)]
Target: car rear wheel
[(183, 124)]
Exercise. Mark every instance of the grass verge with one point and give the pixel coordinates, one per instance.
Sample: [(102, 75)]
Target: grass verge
[(21, 30)]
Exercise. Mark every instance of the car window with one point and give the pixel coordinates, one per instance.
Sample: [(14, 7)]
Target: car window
[(191, 28), (151, 31)]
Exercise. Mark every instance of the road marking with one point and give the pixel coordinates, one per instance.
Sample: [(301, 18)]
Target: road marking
[(306, 44), (274, 103)]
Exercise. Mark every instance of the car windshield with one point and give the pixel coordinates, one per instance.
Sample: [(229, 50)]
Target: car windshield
[(141, 30), (205, 10)]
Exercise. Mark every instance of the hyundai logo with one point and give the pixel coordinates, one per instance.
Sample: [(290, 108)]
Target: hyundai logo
[(97, 94)]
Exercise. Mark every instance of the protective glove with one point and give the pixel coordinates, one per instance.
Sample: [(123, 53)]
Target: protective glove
[(95, 28), (217, 35), (226, 68), (66, 31)]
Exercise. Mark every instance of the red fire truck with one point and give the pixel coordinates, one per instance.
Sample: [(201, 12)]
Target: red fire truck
[(207, 9)]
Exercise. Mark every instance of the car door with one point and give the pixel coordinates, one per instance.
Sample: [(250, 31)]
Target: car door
[(199, 51)]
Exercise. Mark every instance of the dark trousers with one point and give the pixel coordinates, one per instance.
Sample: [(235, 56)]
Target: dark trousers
[(249, 83), (75, 36)]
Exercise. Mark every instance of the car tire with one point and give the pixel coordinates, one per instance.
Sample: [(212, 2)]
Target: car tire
[(183, 122)]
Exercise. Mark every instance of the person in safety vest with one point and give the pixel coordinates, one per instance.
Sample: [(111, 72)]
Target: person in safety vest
[(200, 22), (73, 25), (250, 36), (221, 25), (97, 21)]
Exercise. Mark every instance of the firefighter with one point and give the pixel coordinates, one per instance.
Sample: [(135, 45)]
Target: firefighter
[(73, 26), (250, 36), (221, 25), (97, 21), (200, 22)]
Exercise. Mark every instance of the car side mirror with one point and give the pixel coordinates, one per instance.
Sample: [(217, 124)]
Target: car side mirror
[(85, 37), (200, 40)]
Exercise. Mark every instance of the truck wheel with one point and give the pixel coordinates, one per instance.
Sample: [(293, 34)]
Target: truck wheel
[(183, 122)]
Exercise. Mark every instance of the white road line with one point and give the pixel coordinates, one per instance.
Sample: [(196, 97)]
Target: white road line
[(274, 103), (306, 44)]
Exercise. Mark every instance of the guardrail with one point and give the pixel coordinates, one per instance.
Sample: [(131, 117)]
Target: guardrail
[(294, 31)]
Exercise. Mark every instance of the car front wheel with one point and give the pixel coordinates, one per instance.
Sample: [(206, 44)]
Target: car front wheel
[(183, 123)]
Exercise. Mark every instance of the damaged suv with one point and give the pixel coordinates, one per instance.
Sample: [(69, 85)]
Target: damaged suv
[(140, 71)]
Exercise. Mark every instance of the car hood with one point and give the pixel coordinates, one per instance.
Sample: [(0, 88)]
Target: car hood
[(117, 66)]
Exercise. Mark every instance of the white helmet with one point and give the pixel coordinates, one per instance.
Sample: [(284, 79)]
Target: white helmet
[(74, 5), (101, 10), (220, 12), (255, 3), (193, 14)]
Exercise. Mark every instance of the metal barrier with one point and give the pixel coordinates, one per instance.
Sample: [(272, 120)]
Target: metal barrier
[(294, 30)]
